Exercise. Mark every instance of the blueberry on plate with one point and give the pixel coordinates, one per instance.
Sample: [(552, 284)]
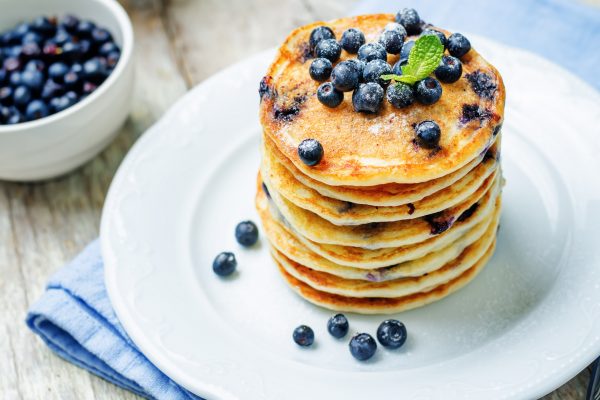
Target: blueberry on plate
[(410, 20), (345, 77), (428, 91), (400, 95), (405, 52), (329, 95), (338, 326), (352, 39), (373, 71), (320, 69), (303, 336), (224, 264), (368, 97), (57, 71), (310, 152), (362, 346), (318, 34), (428, 134), (329, 49), (391, 334), (359, 64), (392, 41), (35, 110), (372, 51), (449, 70), (246, 233), (437, 33), (458, 45)]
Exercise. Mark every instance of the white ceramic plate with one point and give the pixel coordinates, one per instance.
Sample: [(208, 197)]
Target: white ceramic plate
[(526, 325)]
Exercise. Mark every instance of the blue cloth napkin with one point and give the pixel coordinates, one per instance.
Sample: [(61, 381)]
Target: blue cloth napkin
[(76, 320), (74, 316), (564, 31)]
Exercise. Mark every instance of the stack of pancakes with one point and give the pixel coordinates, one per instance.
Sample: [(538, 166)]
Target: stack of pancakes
[(381, 224)]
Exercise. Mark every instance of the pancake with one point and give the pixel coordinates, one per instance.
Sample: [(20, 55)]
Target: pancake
[(359, 257), (288, 244), (326, 282), (375, 235), (391, 194), (372, 149), (344, 213), (384, 305)]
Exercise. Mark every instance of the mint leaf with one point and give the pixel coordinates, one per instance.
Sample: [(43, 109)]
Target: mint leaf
[(423, 59)]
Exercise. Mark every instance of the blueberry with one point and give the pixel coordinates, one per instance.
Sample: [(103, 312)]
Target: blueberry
[(329, 49), (108, 48), (72, 96), (5, 114), (51, 89), (69, 22), (310, 152), (372, 51), (57, 71), (458, 45), (100, 36), (43, 26), (30, 50), (85, 28), (437, 33), (94, 70), (318, 34), (15, 78), (15, 118), (61, 103), (394, 26), (392, 41), (428, 91), (12, 64), (89, 87), (338, 325), (32, 37), (21, 96), (374, 69), (449, 70), (428, 134), (51, 50), (32, 79), (3, 76), (368, 97), (329, 96), (6, 95), (35, 65), (352, 39), (405, 52), (61, 37), (400, 95), (397, 68), (362, 346), (72, 80), (35, 110), (320, 69), (391, 334), (224, 264), (410, 20), (246, 233), (72, 51), (345, 77), (359, 64), (303, 336), (113, 58), (21, 30)]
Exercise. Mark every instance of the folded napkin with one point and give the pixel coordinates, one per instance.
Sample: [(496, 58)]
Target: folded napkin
[(74, 316), (76, 320)]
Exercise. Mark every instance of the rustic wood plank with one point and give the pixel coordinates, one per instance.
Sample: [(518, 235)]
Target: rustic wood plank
[(178, 44)]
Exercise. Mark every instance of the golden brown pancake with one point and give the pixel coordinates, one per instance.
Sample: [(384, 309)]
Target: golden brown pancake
[(372, 149), (383, 305)]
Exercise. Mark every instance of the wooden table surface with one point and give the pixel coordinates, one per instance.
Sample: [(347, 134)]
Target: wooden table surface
[(178, 44)]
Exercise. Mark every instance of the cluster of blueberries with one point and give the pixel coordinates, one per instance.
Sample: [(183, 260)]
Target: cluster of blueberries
[(391, 334), (363, 75), (49, 64), (246, 234)]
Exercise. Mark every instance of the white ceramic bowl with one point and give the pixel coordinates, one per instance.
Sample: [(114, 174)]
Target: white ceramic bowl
[(59, 143)]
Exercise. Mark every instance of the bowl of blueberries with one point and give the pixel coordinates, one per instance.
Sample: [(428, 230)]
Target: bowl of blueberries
[(66, 79)]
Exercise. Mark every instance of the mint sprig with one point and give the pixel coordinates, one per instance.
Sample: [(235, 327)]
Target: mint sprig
[(423, 59)]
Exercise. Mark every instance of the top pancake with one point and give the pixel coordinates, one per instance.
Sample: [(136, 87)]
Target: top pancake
[(372, 149)]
